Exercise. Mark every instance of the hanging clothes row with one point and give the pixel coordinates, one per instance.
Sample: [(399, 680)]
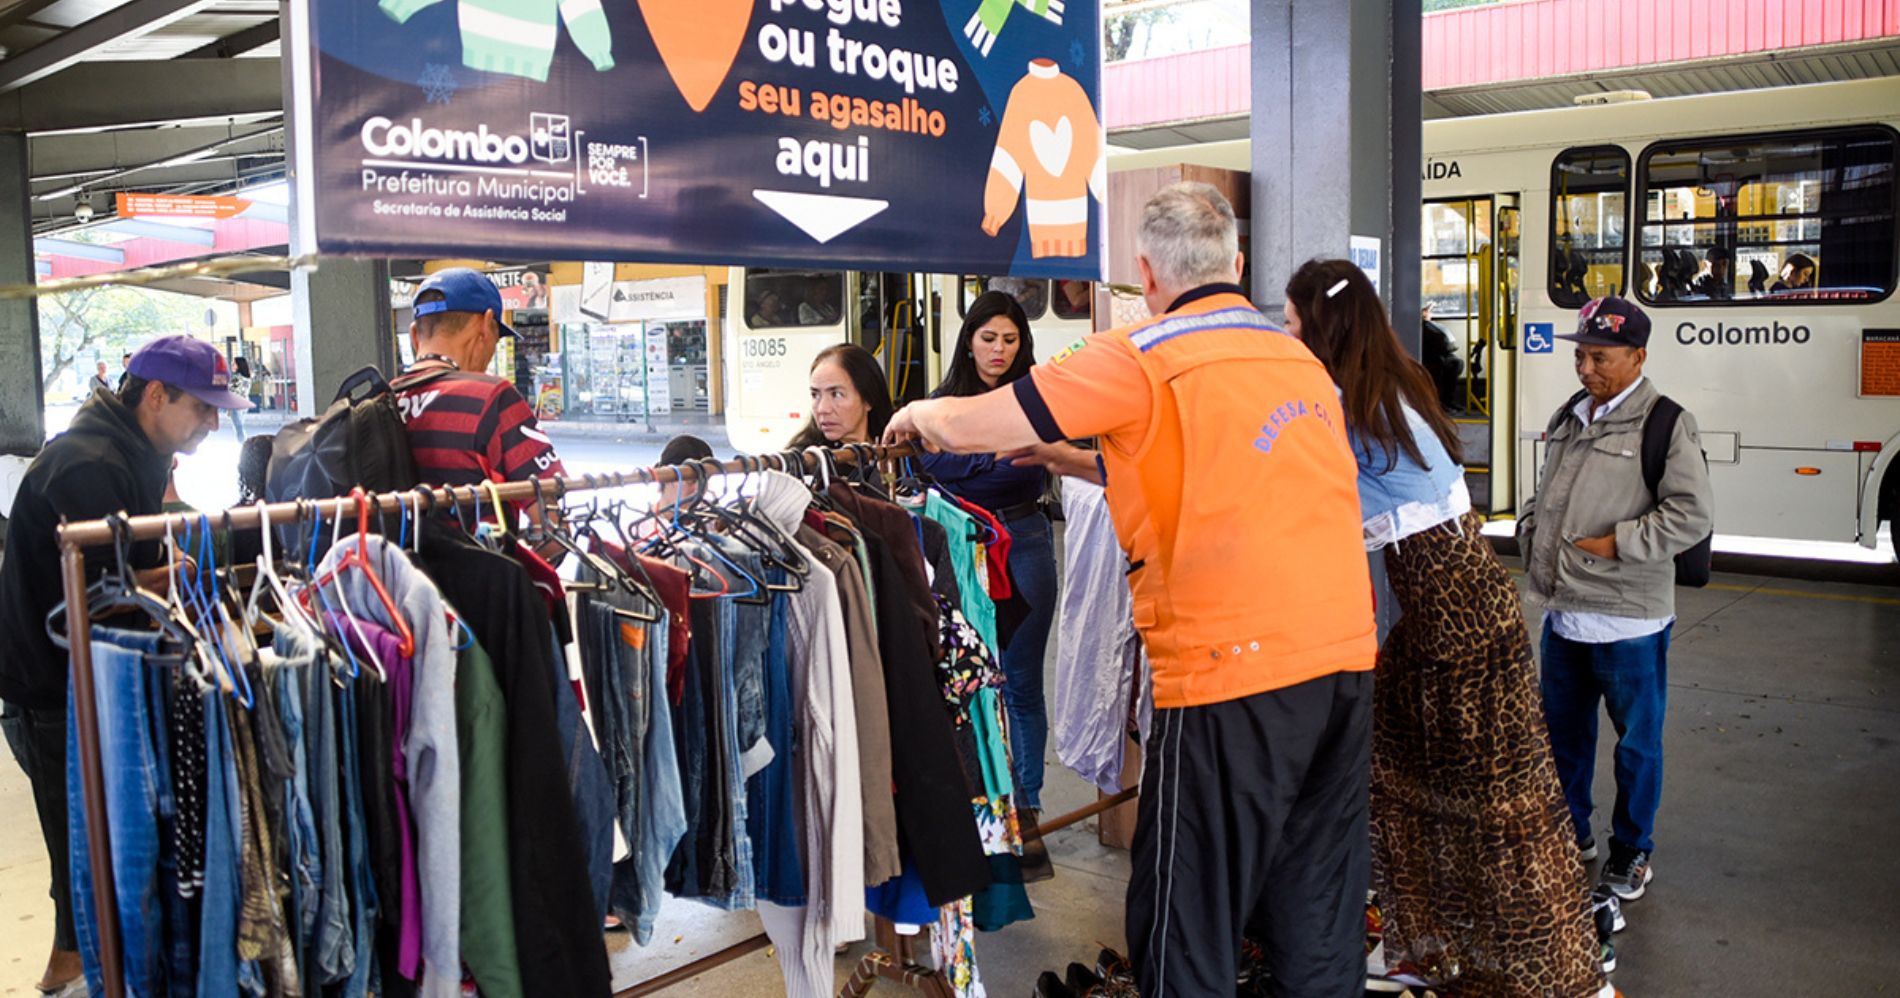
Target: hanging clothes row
[(428, 762)]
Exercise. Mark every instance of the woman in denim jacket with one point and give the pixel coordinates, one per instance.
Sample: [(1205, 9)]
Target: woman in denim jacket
[(1476, 870)]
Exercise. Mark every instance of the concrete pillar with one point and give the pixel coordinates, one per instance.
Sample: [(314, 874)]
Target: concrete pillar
[(22, 424), (342, 322), (1336, 143)]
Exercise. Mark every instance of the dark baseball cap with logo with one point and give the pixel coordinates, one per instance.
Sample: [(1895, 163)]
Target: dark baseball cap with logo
[(191, 366), (1610, 322), (463, 290)]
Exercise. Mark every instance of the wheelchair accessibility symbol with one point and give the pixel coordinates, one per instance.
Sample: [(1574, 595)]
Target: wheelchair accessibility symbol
[(1539, 337)]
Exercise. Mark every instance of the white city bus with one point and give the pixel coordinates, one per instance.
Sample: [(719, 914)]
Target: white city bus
[(778, 320), (1792, 372)]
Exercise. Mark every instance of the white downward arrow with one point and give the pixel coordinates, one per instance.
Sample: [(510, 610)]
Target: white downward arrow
[(823, 216)]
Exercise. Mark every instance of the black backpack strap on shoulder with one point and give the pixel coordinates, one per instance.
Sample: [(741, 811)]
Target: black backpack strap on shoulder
[(1557, 418), (1658, 428)]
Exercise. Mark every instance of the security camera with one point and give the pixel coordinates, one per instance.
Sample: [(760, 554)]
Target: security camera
[(83, 211)]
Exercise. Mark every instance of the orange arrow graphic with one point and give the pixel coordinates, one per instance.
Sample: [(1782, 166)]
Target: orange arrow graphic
[(698, 40)]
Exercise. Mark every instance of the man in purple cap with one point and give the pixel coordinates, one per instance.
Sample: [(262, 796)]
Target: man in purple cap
[(116, 456), (1599, 545)]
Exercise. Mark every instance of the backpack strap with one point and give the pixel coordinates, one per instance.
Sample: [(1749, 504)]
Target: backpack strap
[(1557, 418), (1658, 428)]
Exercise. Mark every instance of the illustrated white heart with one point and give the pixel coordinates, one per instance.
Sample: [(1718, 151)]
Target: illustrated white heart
[(1052, 145)]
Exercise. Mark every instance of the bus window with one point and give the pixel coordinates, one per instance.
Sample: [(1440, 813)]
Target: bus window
[(1072, 299), (780, 299), (1032, 293), (1798, 217), (1589, 206)]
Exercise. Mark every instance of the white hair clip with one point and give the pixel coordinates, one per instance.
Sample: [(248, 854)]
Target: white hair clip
[(1337, 288)]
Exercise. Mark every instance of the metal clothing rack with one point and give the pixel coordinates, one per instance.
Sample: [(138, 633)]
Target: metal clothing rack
[(893, 957)]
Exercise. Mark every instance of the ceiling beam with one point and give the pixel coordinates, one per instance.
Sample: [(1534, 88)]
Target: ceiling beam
[(230, 46), (161, 230), (52, 157), (130, 20), (179, 159), (23, 11), (137, 93), (78, 250)]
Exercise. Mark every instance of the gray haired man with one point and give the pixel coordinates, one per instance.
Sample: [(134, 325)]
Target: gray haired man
[(1235, 497)]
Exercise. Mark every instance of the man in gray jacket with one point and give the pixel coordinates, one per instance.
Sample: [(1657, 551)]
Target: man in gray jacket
[(1600, 550)]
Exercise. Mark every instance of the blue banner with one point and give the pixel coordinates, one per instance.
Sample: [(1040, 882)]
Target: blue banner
[(952, 136)]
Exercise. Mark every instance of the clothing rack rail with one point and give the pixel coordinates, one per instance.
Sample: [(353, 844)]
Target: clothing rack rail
[(76, 538)]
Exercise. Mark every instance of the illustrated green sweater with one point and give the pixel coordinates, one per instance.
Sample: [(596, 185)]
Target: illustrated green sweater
[(517, 37)]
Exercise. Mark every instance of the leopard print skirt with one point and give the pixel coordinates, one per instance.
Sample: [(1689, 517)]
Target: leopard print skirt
[(1473, 857)]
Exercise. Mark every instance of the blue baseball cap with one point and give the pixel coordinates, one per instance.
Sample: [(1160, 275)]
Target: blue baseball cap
[(463, 290), (191, 366)]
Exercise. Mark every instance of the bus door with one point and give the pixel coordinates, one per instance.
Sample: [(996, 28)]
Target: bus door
[(1470, 286), (894, 320)]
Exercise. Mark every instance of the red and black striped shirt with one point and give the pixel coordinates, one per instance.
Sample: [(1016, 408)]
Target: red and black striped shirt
[(465, 429)]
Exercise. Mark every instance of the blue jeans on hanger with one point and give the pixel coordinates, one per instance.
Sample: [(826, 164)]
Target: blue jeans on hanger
[(663, 820), (1032, 572), (356, 825), (305, 864), (772, 822), (333, 951), (125, 688)]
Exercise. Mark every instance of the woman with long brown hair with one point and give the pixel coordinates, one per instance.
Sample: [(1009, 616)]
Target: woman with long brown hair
[(1473, 859)]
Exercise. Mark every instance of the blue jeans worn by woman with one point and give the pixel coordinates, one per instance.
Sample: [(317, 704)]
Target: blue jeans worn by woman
[(1631, 679), (1032, 573)]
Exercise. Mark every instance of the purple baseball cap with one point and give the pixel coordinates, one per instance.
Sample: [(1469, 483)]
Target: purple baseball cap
[(191, 366), (463, 290)]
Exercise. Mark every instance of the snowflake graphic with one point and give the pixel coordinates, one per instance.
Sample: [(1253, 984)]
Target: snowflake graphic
[(983, 115), (438, 83), (1077, 54)]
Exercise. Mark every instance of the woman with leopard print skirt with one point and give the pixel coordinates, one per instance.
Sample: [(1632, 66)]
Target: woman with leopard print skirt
[(1477, 872)]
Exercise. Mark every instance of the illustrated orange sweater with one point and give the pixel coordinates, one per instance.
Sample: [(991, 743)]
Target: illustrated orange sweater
[(1050, 145)]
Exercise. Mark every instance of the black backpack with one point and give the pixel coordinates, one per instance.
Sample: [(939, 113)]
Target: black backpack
[(359, 440), (1694, 566)]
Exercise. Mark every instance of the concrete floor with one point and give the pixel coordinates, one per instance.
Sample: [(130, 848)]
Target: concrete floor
[(1778, 863)]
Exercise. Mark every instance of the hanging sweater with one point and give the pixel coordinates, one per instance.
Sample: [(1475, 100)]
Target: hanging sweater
[(517, 37), (1052, 149)]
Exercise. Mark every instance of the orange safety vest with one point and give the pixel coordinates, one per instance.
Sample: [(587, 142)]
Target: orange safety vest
[(1240, 511)]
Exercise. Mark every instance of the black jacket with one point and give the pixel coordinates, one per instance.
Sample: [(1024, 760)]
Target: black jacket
[(556, 928), (101, 465)]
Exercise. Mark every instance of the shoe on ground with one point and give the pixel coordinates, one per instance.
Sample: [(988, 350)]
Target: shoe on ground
[(1587, 849), (1628, 872), (1606, 909), (1051, 986), (1112, 966), (1035, 857), (1608, 957), (1082, 980)]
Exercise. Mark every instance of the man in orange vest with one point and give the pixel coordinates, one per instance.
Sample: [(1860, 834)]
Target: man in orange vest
[(1233, 491)]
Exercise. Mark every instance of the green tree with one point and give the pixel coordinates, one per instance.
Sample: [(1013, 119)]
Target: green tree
[(106, 320)]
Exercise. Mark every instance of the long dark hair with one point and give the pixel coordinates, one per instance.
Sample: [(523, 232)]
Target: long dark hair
[(963, 378), (1348, 331), (868, 378)]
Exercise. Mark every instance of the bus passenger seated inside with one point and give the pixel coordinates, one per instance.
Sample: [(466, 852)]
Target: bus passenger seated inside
[(1797, 273)]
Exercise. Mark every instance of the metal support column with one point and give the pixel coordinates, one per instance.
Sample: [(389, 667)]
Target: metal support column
[(22, 424), (1336, 95), (342, 322)]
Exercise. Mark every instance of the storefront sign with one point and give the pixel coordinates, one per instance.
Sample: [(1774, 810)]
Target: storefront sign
[(664, 298), (959, 136)]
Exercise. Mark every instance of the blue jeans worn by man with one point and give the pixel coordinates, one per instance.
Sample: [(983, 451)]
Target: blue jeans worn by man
[(1631, 679)]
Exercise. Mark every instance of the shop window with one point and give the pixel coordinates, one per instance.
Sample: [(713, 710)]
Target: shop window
[(778, 299), (1072, 299), (1794, 217), (1032, 293), (1589, 192)]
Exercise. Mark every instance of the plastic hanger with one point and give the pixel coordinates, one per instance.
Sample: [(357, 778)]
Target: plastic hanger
[(119, 591), (343, 597), (356, 557)]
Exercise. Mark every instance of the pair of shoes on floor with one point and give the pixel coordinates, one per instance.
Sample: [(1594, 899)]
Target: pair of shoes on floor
[(1628, 873), (1082, 982), (1035, 857)]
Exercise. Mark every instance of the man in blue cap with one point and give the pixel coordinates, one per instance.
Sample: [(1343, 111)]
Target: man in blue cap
[(116, 456), (1599, 545), (466, 426)]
